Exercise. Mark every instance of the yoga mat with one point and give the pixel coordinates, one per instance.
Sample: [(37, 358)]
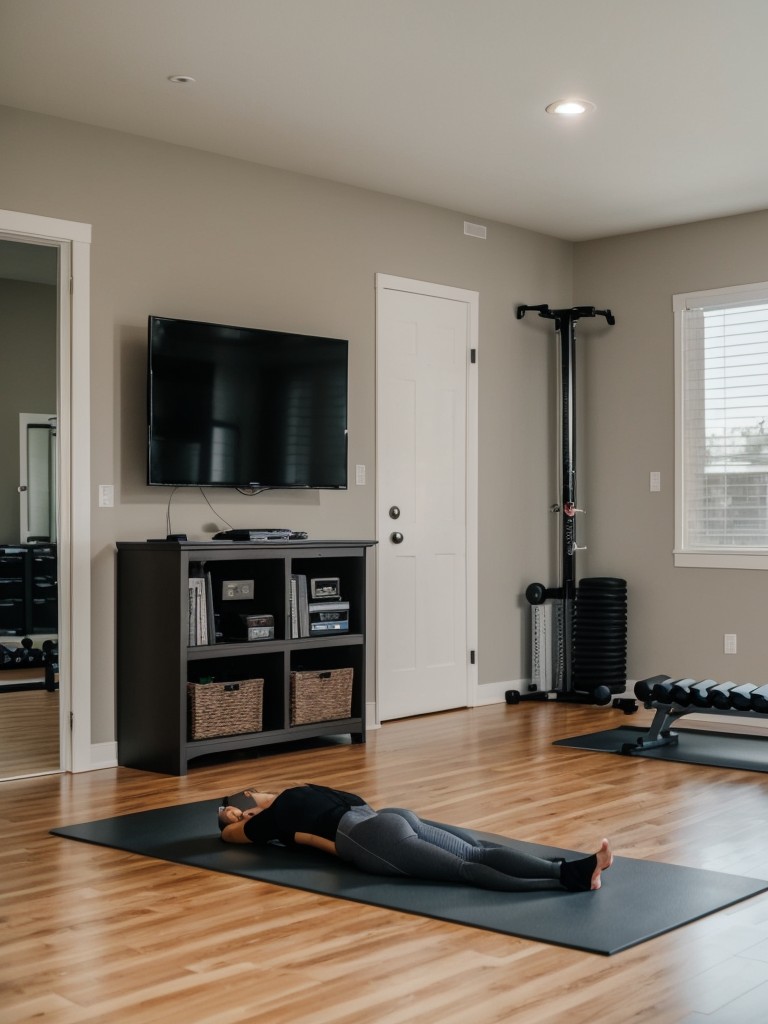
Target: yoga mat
[(719, 750), (638, 900)]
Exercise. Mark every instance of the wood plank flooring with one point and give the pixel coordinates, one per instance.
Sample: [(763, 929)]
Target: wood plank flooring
[(29, 732), (92, 934)]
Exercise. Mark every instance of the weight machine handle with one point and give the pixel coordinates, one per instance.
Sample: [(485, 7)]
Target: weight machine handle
[(574, 313)]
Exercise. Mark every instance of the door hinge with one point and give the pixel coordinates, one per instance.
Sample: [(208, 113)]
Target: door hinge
[(471, 657), (473, 355), (71, 720)]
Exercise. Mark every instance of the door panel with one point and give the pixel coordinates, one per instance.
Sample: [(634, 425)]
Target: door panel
[(423, 359)]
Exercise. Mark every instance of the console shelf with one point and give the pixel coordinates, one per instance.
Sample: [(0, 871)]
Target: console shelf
[(155, 662)]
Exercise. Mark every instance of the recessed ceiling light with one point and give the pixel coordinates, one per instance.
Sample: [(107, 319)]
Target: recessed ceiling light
[(570, 108), (181, 79)]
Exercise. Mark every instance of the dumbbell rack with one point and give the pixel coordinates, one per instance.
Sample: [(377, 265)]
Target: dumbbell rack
[(668, 711), (565, 594)]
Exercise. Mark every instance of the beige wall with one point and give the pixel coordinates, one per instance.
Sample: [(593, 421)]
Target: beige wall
[(677, 616), (27, 380), (185, 233)]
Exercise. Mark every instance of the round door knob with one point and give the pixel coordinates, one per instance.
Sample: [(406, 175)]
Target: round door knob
[(396, 538), (394, 512)]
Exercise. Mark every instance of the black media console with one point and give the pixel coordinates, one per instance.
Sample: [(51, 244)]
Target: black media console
[(155, 660)]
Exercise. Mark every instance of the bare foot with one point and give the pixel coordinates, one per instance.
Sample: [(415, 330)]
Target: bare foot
[(604, 860)]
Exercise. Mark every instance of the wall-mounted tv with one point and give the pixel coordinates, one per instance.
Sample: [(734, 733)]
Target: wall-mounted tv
[(245, 408)]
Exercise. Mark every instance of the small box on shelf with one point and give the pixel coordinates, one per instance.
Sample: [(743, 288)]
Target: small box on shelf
[(258, 627)]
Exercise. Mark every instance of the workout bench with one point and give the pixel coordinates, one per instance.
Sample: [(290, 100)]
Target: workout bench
[(673, 698)]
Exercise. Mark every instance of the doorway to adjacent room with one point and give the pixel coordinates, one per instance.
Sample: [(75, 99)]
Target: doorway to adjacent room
[(56, 737)]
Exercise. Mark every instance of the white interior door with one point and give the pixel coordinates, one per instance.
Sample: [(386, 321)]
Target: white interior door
[(426, 482)]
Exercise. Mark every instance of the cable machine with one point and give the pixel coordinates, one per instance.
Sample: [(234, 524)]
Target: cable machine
[(558, 635)]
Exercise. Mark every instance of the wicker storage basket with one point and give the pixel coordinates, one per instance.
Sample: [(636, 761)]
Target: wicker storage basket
[(321, 696), (224, 709)]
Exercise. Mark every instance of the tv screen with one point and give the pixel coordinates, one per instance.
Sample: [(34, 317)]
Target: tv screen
[(247, 408)]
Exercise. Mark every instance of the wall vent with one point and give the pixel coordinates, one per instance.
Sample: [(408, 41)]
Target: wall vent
[(476, 230)]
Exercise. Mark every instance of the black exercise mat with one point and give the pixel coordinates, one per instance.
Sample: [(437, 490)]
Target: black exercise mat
[(638, 901), (694, 746)]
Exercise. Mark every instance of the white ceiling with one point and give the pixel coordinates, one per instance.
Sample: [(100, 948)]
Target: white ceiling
[(435, 100)]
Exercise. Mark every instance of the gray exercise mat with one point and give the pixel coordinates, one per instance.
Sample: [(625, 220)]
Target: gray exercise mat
[(638, 900), (694, 746)]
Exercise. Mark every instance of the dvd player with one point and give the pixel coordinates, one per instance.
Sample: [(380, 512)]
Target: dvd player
[(259, 535)]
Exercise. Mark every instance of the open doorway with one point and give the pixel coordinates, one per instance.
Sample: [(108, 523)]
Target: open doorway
[(30, 710), (69, 242)]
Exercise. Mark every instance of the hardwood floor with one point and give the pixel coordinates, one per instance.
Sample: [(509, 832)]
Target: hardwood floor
[(92, 934), (29, 732)]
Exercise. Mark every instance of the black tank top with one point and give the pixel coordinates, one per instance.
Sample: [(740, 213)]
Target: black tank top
[(309, 808)]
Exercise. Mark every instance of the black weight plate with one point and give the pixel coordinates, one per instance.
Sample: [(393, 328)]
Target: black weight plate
[(600, 602), (584, 681), (610, 635), (610, 630)]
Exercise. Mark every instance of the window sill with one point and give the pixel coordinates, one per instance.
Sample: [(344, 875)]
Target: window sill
[(720, 560)]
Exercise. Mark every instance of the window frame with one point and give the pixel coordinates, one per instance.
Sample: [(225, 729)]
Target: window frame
[(685, 555)]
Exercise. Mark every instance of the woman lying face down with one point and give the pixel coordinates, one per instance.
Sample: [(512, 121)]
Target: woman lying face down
[(396, 842)]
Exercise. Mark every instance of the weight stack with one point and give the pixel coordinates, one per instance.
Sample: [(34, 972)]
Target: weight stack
[(599, 652)]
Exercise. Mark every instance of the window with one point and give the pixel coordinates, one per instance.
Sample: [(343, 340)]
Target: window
[(721, 486)]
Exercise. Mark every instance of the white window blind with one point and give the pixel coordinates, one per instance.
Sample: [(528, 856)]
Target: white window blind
[(722, 425)]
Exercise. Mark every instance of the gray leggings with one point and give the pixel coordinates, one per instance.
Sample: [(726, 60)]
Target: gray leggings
[(395, 841)]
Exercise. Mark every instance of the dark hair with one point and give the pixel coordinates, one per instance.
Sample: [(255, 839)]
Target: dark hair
[(222, 806)]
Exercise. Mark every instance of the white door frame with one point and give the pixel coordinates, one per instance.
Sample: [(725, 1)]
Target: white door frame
[(473, 301), (73, 241)]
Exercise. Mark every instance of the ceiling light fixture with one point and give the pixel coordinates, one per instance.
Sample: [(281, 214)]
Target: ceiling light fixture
[(181, 79), (570, 108)]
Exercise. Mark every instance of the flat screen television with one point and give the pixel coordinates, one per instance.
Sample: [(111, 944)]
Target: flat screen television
[(245, 408)]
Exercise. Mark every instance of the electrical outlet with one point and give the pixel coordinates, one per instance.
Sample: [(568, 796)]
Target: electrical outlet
[(236, 590), (729, 643), (655, 481)]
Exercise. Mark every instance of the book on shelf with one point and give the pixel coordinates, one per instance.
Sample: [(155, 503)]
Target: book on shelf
[(209, 608), (198, 612), (303, 606), (299, 606), (293, 600)]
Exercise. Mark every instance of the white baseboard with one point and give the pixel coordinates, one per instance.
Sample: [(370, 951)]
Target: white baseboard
[(103, 755), (371, 716), (495, 693), (754, 725)]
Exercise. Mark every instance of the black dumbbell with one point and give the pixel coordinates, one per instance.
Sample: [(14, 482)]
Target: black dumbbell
[(699, 692), (680, 692), (644, 687), (662, 691), (758, 699), (739, 697), (719, 696), (21, 654), (601, 695)]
